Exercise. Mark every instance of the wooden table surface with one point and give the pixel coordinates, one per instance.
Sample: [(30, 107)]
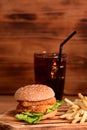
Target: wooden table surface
[(7, 102)]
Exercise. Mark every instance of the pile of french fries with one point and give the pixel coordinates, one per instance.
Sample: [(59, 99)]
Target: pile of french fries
[(77, 110)]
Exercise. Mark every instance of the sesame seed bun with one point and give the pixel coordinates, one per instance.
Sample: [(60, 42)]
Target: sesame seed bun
[(35, 92)]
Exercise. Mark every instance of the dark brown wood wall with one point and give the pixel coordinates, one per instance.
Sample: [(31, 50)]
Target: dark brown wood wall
[(35, 25)]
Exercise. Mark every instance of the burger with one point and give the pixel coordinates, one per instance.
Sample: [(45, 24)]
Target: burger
[(36, 102)]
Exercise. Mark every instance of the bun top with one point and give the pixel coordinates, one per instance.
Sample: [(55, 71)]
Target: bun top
[(35, 92)]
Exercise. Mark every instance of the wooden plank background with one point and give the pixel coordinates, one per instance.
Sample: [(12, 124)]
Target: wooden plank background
[(35, 25)]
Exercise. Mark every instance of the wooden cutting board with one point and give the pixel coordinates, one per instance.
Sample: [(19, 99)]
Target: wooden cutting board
[(8, 122)]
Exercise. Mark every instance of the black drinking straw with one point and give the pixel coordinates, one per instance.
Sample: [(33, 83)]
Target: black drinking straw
[(61, 45)]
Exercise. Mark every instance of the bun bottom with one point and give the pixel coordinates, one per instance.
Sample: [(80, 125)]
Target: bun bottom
[(49, 115)]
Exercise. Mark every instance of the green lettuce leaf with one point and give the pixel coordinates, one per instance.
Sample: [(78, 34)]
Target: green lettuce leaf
[(29, 117), (33, 118), (58, 103)]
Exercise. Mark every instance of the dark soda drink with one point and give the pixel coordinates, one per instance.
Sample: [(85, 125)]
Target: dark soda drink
[(48, 72)]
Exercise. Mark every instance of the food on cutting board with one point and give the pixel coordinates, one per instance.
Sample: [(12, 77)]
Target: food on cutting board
[(36, 102), (77, 110)]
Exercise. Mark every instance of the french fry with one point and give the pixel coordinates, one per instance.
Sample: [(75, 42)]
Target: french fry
[(68, 101), (83, 99), (75, 107), (85, 102), (76, 120), (71, 115), (77, 111), (65, 115), (81, 104), (80, 96), (84, 117)]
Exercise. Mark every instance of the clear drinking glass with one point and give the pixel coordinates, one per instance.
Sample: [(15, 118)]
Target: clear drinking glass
[(48, 72)]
